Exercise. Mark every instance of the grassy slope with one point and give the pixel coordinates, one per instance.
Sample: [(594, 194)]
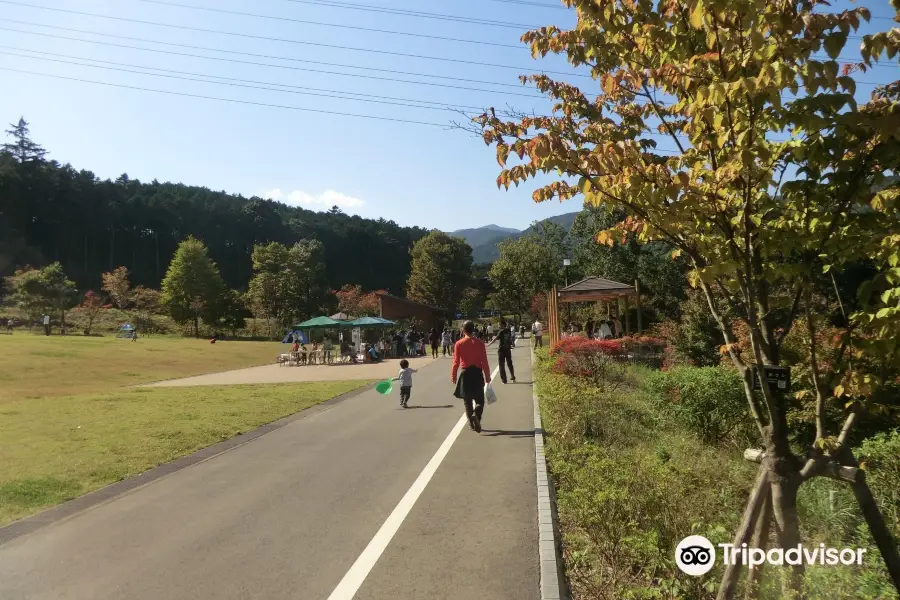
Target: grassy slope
[(35, 366), (631, 485)]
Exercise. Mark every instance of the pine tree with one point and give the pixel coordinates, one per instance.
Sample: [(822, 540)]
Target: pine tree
[(23, 149)]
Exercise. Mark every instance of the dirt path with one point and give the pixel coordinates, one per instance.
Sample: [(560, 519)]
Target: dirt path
[(284, 374)]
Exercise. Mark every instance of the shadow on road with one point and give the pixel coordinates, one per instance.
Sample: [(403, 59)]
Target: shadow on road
[(440, 406), (514, 434)]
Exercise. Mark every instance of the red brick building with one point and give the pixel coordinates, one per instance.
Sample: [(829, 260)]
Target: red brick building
[(395, 309)]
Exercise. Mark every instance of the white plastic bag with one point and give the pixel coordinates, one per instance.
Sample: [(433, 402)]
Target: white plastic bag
[(489, 394)]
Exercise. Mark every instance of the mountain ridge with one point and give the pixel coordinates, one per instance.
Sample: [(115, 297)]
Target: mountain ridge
[(485, 240)]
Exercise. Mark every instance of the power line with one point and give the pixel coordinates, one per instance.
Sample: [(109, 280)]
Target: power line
[(412, 13), (460, 19), (341, 26), (274, 39), (288, 67), (203, 97), (339, 94), (239, 53), (537, 4), (247, 102)]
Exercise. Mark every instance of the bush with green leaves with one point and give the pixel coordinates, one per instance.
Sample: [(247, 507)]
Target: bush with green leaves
[(880, 456), (709, 401)]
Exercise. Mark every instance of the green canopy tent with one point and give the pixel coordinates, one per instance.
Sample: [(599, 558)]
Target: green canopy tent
[(320, 323), (369, 322)]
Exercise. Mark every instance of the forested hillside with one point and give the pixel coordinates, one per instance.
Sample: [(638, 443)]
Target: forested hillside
[(51, 211)]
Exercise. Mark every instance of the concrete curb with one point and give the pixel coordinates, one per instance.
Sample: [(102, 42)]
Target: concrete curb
[(100, 496), (552, 570)]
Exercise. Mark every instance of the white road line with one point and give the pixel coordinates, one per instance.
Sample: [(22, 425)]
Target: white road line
[(357, 574)]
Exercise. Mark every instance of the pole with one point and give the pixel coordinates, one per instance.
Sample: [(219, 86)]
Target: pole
[(637, 289), (627, 318)]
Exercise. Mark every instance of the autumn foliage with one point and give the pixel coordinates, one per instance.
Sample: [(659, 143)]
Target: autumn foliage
[(353, 301)]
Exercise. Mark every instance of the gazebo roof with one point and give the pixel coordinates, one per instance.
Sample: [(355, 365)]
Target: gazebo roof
[(592, 289)]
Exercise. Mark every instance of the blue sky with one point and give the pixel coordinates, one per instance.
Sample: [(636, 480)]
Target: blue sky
[(414, 174)]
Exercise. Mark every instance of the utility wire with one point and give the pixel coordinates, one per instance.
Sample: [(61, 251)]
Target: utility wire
[(247, 102), (236, 52), (537, 4), (292, 68), (340, 94), (274, 39), (340, 26), (443, 17), (289, 41), (277, 66), (253, 103), (203, 97), (412, 13)]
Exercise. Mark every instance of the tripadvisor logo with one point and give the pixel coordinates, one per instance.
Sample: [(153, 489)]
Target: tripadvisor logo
[(696, 555)]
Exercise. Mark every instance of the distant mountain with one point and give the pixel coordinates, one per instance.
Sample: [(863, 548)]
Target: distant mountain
[(485, 235), (484, 240)]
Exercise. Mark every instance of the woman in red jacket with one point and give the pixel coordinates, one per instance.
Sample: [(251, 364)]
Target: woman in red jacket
[(470, 353)]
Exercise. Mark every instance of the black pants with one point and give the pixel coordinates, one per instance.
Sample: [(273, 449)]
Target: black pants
[(478, 407), (434, 352), (539, 341), (405, 393), (504, 355)]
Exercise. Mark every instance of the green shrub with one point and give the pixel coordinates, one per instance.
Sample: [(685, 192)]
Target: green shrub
[(695, 338), (880, 455), (709, 401)]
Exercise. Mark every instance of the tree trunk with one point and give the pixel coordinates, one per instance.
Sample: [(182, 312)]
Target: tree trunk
[(785, 479), (880, 532), (760, 540), (196, 327), (761, 490)]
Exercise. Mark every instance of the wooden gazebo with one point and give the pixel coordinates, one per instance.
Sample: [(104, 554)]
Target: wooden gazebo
[(592, 289)]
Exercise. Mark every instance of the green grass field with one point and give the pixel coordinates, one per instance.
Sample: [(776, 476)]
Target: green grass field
[(36, 366), (70, 422)]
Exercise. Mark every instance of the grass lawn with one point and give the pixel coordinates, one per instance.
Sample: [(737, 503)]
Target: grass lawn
[(71, 422), (54, 448), (37, 366)]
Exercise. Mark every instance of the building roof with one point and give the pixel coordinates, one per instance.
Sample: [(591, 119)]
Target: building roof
[(595, 284), (595, 288)]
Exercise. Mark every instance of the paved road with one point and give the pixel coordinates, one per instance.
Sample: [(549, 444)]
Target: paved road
[(287, 515), (283, 374)]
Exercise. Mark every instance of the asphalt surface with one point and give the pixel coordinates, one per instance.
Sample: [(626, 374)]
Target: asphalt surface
[(286, 515)]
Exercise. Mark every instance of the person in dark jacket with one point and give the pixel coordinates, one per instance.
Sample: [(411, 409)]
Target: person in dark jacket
[(470, 354), (434, 338), (504, 351)]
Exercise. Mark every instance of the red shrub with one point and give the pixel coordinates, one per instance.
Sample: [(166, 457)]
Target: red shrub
[(583, 346), (596, 362)]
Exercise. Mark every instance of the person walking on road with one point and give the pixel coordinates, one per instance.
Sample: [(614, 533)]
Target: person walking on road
[(447, 342), (538, 331), (505, 339), (405, 377), (434, 339), (470, 354)]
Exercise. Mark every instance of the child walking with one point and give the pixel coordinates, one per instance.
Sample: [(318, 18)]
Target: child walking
[(405, 379)]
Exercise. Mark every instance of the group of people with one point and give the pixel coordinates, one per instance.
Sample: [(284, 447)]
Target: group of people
[(471, 371), (596, 330)]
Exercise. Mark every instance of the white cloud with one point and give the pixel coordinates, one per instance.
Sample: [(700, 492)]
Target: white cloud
[(322, 201)]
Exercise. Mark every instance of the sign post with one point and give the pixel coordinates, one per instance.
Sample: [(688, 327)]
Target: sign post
[(779, 378)]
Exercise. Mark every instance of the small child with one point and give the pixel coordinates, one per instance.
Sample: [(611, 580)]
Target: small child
[(405, 379)]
